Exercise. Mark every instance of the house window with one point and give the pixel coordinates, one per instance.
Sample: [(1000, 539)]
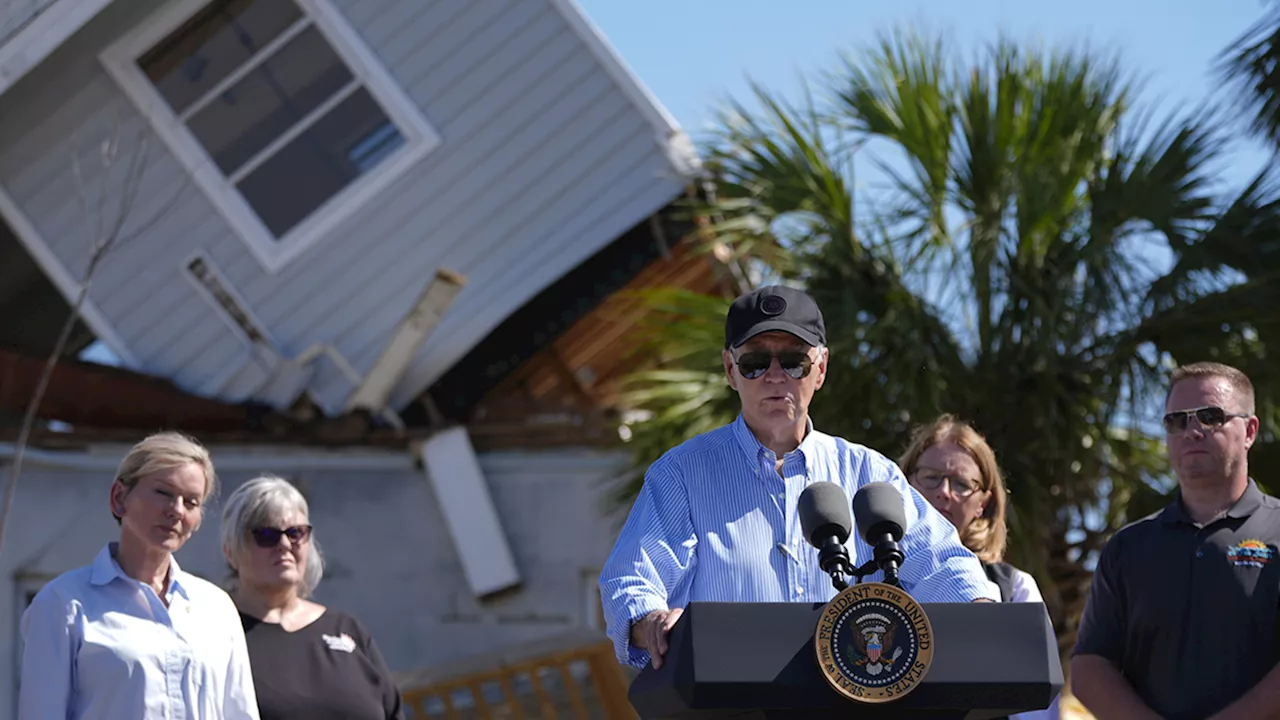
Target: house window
[(276, 108)]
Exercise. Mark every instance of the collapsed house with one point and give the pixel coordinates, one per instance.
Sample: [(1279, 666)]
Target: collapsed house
[(388, 249)]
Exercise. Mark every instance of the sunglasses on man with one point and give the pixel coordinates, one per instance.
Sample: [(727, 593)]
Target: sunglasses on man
[(269, 537), (1208, 416), (755, 364)]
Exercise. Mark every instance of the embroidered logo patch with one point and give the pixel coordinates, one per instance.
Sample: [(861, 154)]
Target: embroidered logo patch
[(343, 642), (772, 305), (1250, 553)]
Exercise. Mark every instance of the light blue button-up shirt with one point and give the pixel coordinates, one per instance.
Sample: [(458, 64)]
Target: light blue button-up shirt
[(715, 522), (100, 644)]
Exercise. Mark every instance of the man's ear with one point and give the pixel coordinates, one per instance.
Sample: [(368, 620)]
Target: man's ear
[(727, 359), (823, 354)]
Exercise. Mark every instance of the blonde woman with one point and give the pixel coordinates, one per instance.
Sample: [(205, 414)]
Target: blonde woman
[(132, 635), (954, 468), (308, 661)]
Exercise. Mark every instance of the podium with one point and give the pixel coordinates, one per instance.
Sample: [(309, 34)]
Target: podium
[(756, 661)]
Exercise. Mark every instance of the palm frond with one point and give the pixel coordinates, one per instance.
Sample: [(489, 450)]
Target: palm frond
[(903, 92), (1250, 67)]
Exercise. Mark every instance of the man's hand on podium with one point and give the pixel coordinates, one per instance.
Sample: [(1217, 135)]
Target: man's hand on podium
[(650, 633)]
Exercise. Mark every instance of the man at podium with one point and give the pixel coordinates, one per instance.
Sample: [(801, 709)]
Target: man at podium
[(716, 519)]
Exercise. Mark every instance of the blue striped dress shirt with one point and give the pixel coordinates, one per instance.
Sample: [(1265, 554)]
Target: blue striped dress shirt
[(716, 522)]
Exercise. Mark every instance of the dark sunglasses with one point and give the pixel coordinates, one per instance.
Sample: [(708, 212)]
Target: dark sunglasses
[(755, 364), (269, 537), (1209, 416)]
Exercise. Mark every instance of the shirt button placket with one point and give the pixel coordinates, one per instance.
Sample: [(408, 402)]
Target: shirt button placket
[(1202, 539), (769, 474), (799, 572), (175, 665), (175, 685)]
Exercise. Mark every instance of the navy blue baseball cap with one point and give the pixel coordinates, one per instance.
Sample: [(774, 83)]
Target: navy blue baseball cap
[(774, 308)]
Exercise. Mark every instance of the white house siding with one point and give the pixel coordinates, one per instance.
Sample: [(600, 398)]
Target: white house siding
[(391, 561), (545, 158), (15, 14)]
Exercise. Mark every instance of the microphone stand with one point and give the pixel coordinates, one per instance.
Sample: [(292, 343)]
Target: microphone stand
[(833, 558), (887, 556)]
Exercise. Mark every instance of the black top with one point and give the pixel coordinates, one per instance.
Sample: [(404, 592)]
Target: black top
[(329, 669), (1188, 614), (1001, 573)]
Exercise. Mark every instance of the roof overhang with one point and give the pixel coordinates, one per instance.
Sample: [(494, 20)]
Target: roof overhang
[(41, 34)]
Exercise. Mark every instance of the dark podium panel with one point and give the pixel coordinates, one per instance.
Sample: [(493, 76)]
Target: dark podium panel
[(757, 660)]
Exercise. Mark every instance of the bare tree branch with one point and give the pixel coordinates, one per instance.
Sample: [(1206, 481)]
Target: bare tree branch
[(105, 236), (29, 420)]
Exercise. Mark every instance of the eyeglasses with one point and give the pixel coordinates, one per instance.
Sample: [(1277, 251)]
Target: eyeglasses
[(269, 537), (932, 480), (1208, 416), (795, 364)]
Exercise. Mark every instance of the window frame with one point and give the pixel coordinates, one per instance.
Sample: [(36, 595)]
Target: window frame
[(420, 137)]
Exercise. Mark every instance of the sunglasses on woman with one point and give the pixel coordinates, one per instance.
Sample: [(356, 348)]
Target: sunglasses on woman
[(269, 537), (1208, 416), (794, 363)]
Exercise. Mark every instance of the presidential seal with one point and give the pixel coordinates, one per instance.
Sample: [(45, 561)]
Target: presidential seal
[(874, 643)]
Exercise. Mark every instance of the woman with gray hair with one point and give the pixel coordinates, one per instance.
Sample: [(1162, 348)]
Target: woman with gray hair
[(132, 635), (308, 661)]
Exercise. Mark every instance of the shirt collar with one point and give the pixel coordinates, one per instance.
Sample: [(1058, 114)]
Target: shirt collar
[(752, 446), (1248, 503), (105, 569)]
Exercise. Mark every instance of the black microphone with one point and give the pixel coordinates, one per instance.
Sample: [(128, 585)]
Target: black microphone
[(881, 520), (826, 523)]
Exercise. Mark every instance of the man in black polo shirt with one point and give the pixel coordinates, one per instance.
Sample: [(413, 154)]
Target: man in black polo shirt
[(1182, 618)]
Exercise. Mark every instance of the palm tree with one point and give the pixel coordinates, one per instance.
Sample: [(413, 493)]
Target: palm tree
[(1004, 274), (1247, 248), (1251, 68)]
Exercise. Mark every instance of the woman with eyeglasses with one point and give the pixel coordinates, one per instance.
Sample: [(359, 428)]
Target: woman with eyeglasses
[(954, 468), (308, 661)]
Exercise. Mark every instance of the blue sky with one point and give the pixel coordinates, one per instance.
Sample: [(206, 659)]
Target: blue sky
[(694, 53)]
